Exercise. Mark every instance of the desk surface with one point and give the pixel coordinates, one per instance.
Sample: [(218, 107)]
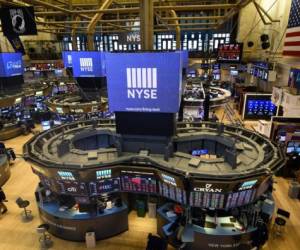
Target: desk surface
[(220, 229), (53, 208)]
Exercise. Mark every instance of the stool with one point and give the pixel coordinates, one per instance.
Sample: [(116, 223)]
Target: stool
[(156, 243), (280, 221), (279, 225), (26, 214), (45, 239)]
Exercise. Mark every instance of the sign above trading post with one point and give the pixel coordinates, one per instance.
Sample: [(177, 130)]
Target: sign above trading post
[(11, 64), (88, 64), (67, 59), (144, 82)]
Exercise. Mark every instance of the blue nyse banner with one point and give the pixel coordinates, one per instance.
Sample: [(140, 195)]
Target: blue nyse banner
[(67, 59), (88, 64), (11, 64), (144, 82), (184, 58)]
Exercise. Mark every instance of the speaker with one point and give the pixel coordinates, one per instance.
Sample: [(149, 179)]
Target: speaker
[(264, 37), (265, 45), (250, 44)]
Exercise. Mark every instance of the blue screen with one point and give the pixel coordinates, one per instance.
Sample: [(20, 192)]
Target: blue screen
[(198, 152), (260, 108), (144, 82), (67, 58), (88, 64), (184, 58), (11, 64)]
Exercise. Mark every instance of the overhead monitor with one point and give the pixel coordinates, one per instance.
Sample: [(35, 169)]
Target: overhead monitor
[(67, 59), (88, 64), (184, 58), (230, 53), (11, 64), (144, 82)]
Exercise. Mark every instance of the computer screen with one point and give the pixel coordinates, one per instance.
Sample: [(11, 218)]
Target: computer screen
[(46, 125), (234, 72)]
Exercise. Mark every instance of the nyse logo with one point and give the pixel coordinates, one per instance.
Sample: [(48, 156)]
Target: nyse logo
[(69, 58), (142, 83), (86, 64), (14, 65), (133, 38), (208, 189)]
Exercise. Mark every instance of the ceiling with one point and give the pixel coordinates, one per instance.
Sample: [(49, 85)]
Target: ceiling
[(63, 16)]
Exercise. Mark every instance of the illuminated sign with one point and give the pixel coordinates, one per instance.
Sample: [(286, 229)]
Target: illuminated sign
[(169, 179), (208, 189), (129, 38), (65, 175), (11, 64), (67, 58), (184, 54), (142, 83), (248, 185), (199, 152), (145, 82), (103, 174), (88, 64)]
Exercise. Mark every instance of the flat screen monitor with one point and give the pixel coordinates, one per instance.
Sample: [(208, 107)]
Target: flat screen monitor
[(259, 107), (57, 122), (230, 53), (282, 138), (234, 72), (46, 125), (217, 77)]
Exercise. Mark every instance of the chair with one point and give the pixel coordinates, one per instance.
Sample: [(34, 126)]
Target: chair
[(45, 239), (156, 243), (280, 221), (26, 214)]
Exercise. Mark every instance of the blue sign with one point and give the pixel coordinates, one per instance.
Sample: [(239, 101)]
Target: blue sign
[(11, 64), (184, 58), (144, 82), (198, 152), (88, 64), (67, 59)]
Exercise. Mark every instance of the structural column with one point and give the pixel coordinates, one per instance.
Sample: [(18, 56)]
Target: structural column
[(146, 17)]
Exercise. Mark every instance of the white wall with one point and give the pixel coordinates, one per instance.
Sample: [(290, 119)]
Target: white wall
[(251, 27), (249, 18)]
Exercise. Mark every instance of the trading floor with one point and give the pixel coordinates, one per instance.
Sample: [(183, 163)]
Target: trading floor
[(16, 235)]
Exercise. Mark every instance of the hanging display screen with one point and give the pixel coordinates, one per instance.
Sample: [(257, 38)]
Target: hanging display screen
[(67, 59), (230, 53), (88, 64), (11, 64), (145, 82)]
